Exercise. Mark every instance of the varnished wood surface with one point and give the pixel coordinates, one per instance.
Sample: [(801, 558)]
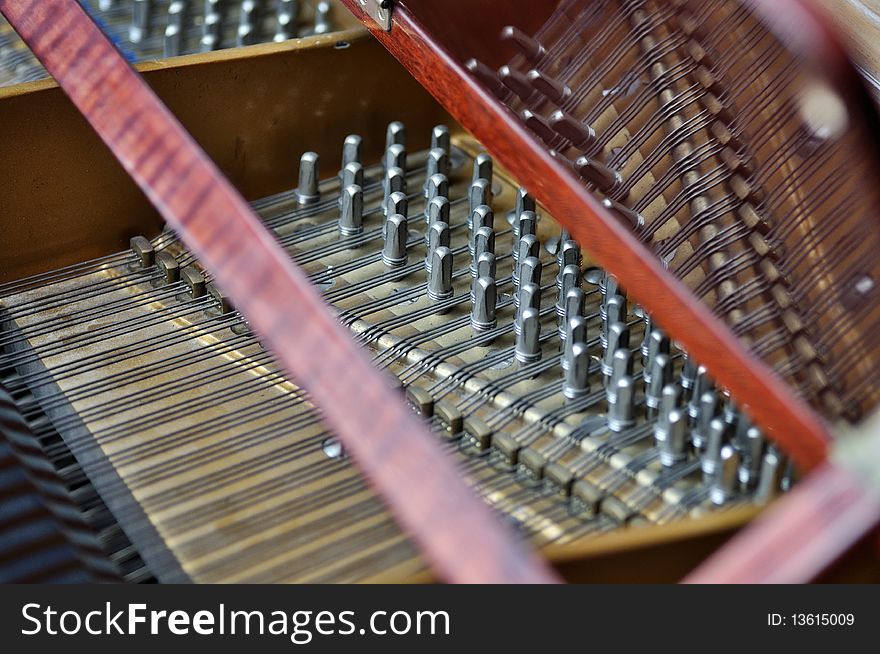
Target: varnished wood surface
[(391, 446), (422, 49)]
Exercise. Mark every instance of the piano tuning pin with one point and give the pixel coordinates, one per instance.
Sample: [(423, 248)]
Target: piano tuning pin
[(568, 279), (710, 461), (526, 247), (752, 459), (516, 82), (397, 202), (438, 210), (484, 298), (438, 186), (669, 401), (528, 341), (353, 173), (524, 202), (701, 385), (576, 382), (394, 253), (772, 471), (550, 88), (530, 271), (247, 23), (484, 243), (618, 336), (175, 29), (307, 192), (609, 287), (615, 312), (438, 164), (724, 483), (395, 157), (351, 150), (527, 297), (655, 342), (393, 182), (351, 220), (568, 254), (488, 77), (621, 366), (482, 216), (688, 374), (580, 135), (482, 168), (438, 236), (528, 224), (621, 412), (395, 134), (212, 26), (708, 409), (479, 194), (537, 124), (673, 449), (440, 139), (440, 276), (322, 18), (485, 265), (630, 218), (286, 17), (140, 20), (661, 377), (575, 332), (527, 46), (599, 175), (573, 305)]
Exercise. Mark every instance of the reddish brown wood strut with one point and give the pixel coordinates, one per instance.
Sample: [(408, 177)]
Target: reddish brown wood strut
[(456, 532)]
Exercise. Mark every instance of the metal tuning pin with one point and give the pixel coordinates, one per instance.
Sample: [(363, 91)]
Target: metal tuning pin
[(175, 29), (576, 382), (618, 337), (526, 247), (486, 265), (701, 385), (599, 175), (395, 134), (438, 211), (524, 202), (351, 150), (654, 344), (710, 461), (568, 254), (724, 483), (752, 459), (487, 76), (212, 25), (485, 296), (397, 202), (688, 374), (673, 449), (580, 135), (352, 173), (438, 186), (351, 221), (661, 376), (395, 157), (575, 332), (550, 88), (574, 304), (772, 472), (571, 279), (527, 46), (528, 339), (482, 216), (322, 18), (438, 236), (440, 277), (530, 272), (307, 192), (393, 182), (248, 23), (482, 168), (528, 224), (140, 20), (438, 164), (286, 17), (479, 193), (621, 366), (708, 409), (621, 412), (440, 139), (394, 253), (484, 243), (669, 401), (527, 297), (516, 82), (615, 311)]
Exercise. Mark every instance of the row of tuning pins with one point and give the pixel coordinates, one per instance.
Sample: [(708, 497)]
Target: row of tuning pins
[(690, 417), (182, 13), (559, 127)]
